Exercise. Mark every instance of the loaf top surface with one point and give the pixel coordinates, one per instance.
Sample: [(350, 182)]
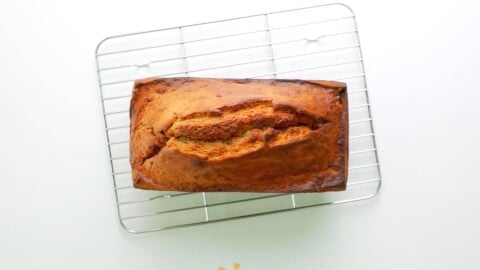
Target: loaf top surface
[(214, 120)]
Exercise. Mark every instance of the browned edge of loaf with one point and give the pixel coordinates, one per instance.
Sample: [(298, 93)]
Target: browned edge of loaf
[(143, 182)]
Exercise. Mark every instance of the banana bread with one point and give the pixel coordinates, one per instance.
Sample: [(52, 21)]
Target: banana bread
[(245, 135)]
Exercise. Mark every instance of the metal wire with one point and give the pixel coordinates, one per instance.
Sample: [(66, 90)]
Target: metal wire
[(226, 51), (146, 211), (219, 37), (253, 62)]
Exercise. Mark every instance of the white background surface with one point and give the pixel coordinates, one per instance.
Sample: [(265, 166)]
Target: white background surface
[(56, 199)]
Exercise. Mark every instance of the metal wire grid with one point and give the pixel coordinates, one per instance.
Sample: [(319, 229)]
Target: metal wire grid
[(319, 42)]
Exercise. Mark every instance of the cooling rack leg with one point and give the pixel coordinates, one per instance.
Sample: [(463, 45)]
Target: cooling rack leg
[(269, 41), (207, 218)]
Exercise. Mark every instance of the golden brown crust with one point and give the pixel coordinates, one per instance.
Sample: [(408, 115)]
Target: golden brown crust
[(198, 134)]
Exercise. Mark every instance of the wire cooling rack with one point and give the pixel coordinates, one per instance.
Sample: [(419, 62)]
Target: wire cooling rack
[(319, 42)]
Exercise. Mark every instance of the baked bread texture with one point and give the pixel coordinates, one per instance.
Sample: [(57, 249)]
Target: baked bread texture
[(244, 135)]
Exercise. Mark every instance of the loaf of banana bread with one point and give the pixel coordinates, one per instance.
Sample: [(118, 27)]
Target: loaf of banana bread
[(245, 135)]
